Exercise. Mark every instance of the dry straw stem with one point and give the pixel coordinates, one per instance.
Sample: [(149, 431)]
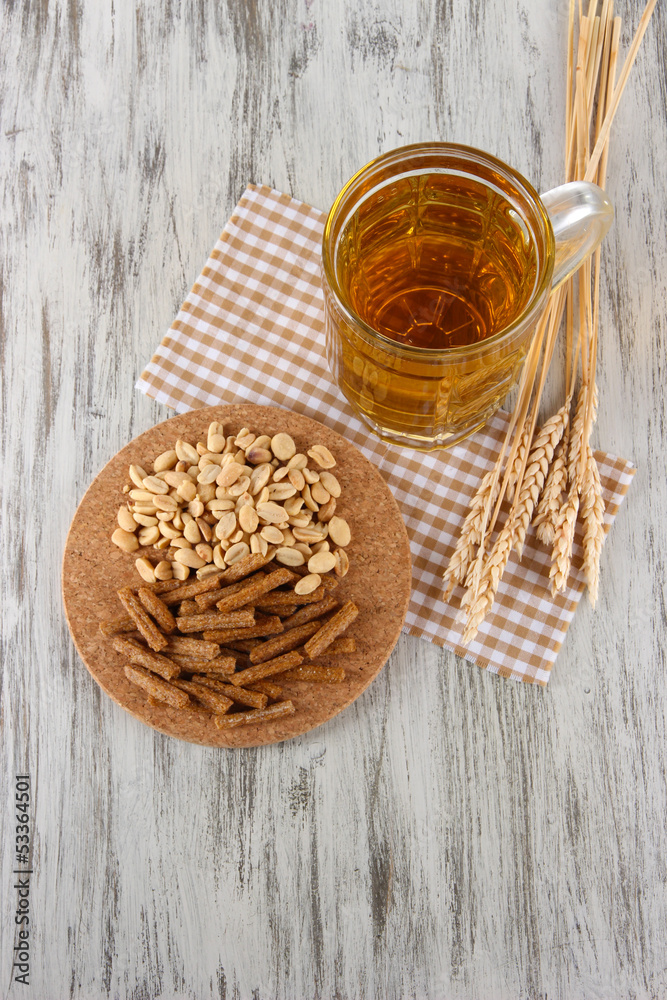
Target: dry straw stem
[(583, 418), (519, 417), (608, 74), (586, 323), (570, 70), (570, 363), (573, 137), (618, 92), (594, 59), (554, 314), (606, 81), (581, 109)]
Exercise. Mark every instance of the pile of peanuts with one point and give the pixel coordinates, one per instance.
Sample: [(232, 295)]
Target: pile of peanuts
[(203, 507)]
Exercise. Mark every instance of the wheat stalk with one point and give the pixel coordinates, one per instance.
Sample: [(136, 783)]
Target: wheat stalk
[(578, 439), (545, 442), (592, 514), (483, 595), (471, 533), (551, 501), (561, 556), (576, 435), (603, 137), (518, 465), (518, 419), (551, 475)]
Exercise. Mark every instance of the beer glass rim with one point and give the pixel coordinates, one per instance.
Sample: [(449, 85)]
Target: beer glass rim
[(467, 155)]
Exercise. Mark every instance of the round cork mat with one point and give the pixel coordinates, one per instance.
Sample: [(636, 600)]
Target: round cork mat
[(378, 581)]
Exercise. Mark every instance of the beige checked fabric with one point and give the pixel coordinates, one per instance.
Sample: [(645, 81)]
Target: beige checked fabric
[(252, 330)]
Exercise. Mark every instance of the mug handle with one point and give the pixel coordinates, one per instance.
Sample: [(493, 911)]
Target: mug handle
[(580, 215)]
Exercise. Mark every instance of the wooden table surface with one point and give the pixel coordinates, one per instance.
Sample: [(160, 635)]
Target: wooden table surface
[(452, 834)]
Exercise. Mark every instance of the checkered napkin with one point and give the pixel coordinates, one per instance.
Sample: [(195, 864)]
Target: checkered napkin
[(252, 330)]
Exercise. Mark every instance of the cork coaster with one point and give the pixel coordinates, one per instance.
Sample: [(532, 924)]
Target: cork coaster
[(378, 581)]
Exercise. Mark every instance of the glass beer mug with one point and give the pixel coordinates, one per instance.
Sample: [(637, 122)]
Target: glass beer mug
[(437, 263)]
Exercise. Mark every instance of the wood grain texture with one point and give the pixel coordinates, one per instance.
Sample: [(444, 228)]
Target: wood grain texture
[(451, 834)]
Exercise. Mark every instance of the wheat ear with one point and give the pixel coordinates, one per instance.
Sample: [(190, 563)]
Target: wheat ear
[(576, 435), (561, 556), (577, 443), (546, 440), (491, 576), (471, 534), (519, 460), (472, 588), (592, 515), (551, 501)]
